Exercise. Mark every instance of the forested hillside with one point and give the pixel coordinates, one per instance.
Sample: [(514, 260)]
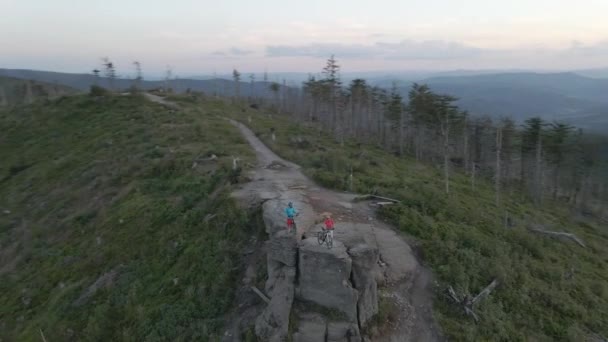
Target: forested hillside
[(540, 159), (14, 91), (484, 200)]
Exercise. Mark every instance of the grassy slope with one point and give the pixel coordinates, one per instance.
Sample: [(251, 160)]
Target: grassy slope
[(96, 186), (550, 289)]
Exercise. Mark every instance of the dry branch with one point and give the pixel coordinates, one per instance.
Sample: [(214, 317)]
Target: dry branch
[(467, 303), (42, 335), (297, 187), (559, 235), (369, 197), (259, 293)]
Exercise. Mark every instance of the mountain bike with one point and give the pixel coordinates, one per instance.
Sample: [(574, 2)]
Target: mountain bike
[(323, 237)]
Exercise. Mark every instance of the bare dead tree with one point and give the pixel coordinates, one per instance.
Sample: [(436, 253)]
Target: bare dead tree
[(467, 303), (566, 235), (498, 168)]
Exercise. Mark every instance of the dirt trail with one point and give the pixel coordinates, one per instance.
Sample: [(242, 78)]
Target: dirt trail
[(407, 282), (160, 100)]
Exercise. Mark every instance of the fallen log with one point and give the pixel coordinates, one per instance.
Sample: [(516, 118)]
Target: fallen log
[(485, 292), (260, 294), (369, 197), (559, 235)]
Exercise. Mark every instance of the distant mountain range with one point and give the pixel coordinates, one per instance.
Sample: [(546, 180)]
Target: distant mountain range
[(83, 82), (569, 97)]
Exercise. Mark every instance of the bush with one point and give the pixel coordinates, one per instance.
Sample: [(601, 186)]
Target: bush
[(98, 91)]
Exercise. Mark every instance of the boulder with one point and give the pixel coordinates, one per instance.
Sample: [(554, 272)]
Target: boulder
[(273, 323), (274, 217), (311, 328), (343, 332), (324, 277), (277, 274), (282, 247), (364, 265)]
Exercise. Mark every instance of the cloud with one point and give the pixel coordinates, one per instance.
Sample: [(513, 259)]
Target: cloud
[(232, 52), (240, 52), (404, 50), (320, 50), (577, 48)]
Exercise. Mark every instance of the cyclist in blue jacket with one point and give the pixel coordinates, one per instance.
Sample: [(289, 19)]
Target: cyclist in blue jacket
[(291, 212)]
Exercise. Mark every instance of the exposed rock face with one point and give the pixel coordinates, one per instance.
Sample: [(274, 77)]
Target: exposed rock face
[(274, 218), (365, 264), (337, 279), (343, 332), (311, 328), (282, 248), (282, 251), (273, 324), (324, 277)]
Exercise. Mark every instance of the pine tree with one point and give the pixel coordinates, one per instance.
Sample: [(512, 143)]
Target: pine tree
[(110, 71), (236, 76)]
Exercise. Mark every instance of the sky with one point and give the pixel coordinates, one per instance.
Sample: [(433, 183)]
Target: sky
[(201, 37)]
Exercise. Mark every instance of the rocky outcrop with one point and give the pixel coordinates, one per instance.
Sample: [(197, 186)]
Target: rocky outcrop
[(273, 323), (324, 277), (273, 216), (282, 248), (364, 265), (343, 332), (311, 328), (336, 279)]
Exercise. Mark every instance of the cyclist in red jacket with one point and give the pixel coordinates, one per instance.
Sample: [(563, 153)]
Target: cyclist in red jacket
[(329, 226)]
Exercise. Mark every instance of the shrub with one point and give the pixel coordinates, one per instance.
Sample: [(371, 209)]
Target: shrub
[(98, 91)]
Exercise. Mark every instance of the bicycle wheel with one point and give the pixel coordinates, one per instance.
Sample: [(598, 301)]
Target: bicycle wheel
[(329, 241), (320, 237)]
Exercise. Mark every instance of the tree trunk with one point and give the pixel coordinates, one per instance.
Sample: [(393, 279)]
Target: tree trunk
[(446, 145), (466, 148), (29, 96), (539, 177), (498, 156), (473, 171), (401, 132), (3, 100)]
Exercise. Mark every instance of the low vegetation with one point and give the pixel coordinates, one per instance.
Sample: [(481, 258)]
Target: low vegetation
[(115, 221)]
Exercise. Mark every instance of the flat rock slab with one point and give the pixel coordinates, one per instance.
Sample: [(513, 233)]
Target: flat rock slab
[(394, 251), (324, 277), (311, 328), (343, 332)]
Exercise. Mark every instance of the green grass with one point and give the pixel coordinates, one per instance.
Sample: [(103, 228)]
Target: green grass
[(463, 239), (99, 185)]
